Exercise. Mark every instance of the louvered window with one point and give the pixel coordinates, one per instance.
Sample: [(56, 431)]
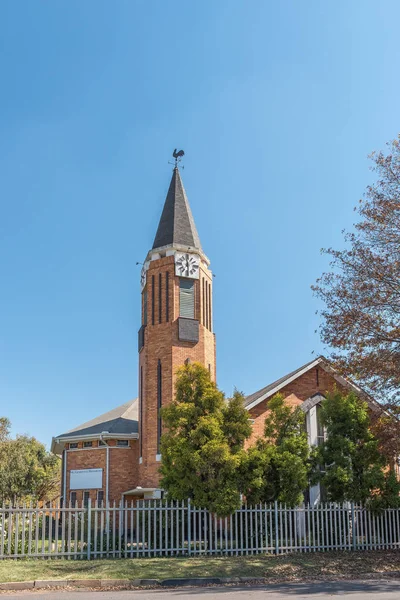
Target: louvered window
[(186, 297)]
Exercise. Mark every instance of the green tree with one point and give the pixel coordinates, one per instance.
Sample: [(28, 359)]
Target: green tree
[(388, 496), (236, 424), (4, 428), (27, 470), (353, 469), (202, 446), (276, 467)]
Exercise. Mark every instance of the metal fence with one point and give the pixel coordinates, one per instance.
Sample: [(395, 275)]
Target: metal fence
[(162, 528)]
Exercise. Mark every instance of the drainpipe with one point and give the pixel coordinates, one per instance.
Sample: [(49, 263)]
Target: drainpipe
[(107, 463), (65, 478)]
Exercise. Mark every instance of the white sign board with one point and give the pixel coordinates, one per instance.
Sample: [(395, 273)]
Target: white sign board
[(86, 479)]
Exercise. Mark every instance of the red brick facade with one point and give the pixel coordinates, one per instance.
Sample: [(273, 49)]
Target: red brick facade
[(161, 353), (162, 348), (122, 468), (138, 465), (300, 389), (125, 471)]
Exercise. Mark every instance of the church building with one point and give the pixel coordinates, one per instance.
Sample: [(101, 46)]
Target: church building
[(117, 455)]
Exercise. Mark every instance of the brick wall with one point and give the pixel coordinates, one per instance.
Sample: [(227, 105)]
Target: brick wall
[(313, 381), (123, 467), (161, 342), (124, 470)]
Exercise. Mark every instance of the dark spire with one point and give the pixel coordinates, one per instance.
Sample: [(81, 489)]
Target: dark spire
[(177, 224)]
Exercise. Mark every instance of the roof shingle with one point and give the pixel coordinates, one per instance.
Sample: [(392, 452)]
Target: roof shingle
[(120, 420), (176, 224)]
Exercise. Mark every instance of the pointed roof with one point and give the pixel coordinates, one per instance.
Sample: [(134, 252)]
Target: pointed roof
[(273, 388), (176, 226), (122, 419)]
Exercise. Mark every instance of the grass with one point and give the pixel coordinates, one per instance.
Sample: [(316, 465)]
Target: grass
[(289, 567)]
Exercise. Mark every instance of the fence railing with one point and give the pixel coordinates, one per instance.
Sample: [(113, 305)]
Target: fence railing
[(162, 528)]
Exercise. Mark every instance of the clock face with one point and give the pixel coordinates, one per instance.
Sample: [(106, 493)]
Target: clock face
[(143, 277), (187, 265)]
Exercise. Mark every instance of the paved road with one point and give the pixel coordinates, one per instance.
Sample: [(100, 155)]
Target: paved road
[(372, 590)]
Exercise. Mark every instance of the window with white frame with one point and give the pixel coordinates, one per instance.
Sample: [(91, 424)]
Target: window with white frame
[(320, 428)]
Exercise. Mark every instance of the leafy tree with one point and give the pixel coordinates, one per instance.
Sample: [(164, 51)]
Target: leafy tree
[(203, 443), (4, 428), (276, 467), (27, 470), (389, 496), (361, 318), (385, 427), (236, 425), (353, 469)]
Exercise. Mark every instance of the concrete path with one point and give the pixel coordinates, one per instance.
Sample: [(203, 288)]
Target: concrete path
[(349, 590)]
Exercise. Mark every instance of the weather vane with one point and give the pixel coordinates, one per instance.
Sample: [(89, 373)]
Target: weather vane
[(177, 154)]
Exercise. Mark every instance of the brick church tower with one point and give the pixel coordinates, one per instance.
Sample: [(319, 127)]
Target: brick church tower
[(176, 320)]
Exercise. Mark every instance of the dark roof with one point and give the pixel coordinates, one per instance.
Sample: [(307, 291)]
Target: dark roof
[(177, 224), (256, 395), (120, 420)]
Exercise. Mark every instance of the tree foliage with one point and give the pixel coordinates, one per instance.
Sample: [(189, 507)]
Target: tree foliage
[(4, 428), (361, 318), (202, 446), (27, 470), (349, 463), (385, 427), (276, 467)]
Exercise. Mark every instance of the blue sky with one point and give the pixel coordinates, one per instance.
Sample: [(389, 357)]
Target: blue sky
[(276, 104)]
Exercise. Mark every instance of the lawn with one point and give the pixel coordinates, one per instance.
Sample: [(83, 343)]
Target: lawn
[(289, 567)]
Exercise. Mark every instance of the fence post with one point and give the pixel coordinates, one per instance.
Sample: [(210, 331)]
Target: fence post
[(189, 530), (89, 527), (353, 527), (120, 526), (276, 528)]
